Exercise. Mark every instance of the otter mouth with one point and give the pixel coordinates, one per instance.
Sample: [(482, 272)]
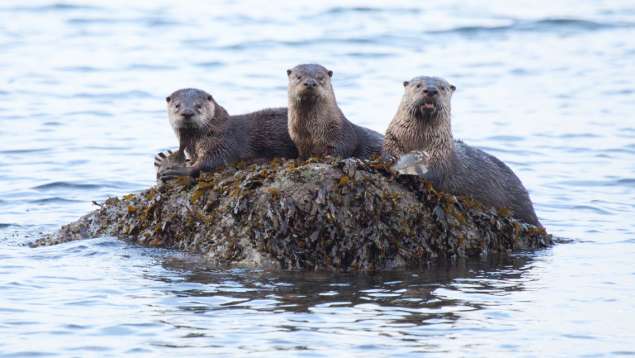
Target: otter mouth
[(427, 107), (186, 123), (308, 95)]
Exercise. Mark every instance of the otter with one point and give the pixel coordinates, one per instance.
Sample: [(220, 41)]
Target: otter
[(210, 137), (422, 123), (317, 126)]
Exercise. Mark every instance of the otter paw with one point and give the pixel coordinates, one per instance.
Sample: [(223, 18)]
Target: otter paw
[(162, 159), (168, 160), (174, 172)]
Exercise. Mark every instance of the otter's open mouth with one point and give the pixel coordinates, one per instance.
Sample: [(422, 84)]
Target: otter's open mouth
[(427, 107)]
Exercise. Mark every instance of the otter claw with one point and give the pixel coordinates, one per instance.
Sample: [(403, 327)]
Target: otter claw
[(174, 173), (159, 158), (168, 158)]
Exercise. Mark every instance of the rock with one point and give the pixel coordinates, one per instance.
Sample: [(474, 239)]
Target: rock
[(336, 215)]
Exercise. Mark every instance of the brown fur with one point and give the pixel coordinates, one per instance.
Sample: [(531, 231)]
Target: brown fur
[(423, 123), (210, 137), (316, 124)]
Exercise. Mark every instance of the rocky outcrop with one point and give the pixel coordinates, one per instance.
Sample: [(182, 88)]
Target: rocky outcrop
[(346, 215)]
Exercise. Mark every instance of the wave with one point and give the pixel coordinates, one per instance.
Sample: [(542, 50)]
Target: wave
[(543, 25), (56, 185), (25, 151), (66, 185), (53, 200), (114, 95), (52, 7), (341, 10), (626, 182)]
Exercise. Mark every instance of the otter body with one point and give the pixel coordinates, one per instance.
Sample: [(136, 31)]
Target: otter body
[(423, 123), (316, 124), (210, 137)]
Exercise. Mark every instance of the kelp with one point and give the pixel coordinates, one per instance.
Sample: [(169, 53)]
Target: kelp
[(327, 214)]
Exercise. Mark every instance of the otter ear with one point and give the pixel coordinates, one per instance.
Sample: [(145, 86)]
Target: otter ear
[(453, 88), (289, 72), (209, 97), (168, 99), (330, 73), (406, 83)]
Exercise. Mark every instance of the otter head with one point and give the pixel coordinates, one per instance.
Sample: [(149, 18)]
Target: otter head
[(190, 108), (309, 82), (427, 98)]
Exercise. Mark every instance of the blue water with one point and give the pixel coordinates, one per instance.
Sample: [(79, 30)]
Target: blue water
[(549, 87)]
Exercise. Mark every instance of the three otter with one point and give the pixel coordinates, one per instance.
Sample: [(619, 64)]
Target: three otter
[(211, 137), (419, 138), (423, 123), (317, 126)]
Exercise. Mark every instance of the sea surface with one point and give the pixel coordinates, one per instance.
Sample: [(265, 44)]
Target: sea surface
[(547, 86)]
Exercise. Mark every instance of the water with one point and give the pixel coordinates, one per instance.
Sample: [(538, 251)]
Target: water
[(546, 86)]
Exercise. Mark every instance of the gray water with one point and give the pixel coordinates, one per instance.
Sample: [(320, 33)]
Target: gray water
[(546, 86)]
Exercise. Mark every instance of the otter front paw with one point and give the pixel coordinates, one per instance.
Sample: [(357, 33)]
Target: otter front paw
[(175, 172), (167, 160)]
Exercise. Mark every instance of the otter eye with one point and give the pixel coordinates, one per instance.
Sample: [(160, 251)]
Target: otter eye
[(209, 98), (199, 107), (177, 106), (320, 78), (298, 77), (418, 85)]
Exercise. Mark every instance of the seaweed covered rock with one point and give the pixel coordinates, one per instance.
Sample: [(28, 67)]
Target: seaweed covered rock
[(346, 215)]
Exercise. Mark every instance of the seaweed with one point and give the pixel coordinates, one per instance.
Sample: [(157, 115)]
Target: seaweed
[(319, 214)]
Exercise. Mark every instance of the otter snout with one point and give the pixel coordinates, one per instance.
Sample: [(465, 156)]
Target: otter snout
[(310, 83), (187, 114), (430, 91)]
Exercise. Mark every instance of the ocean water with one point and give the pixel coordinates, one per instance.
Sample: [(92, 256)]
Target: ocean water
[(547, 86)]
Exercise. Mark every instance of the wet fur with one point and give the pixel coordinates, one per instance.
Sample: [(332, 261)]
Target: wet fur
[(453, 166), (316, 124), (211, 137)]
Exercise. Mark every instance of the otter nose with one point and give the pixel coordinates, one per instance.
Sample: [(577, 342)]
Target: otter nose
[(431, 91), (187, 114), (310, 83)]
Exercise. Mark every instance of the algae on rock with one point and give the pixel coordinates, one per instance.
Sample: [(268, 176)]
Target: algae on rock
[(340, 215)]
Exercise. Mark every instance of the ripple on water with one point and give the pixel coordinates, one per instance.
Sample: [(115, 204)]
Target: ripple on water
[(626, 181), (53, 200), (66, 185), (25, 151), (60, 185), (50, 8), (594, 209), (113, 95), (80, 69), (543, 25), (89, 113), (210, 64)]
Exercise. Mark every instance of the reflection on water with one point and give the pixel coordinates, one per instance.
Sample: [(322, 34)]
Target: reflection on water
[(547, 87), (300, 292)]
